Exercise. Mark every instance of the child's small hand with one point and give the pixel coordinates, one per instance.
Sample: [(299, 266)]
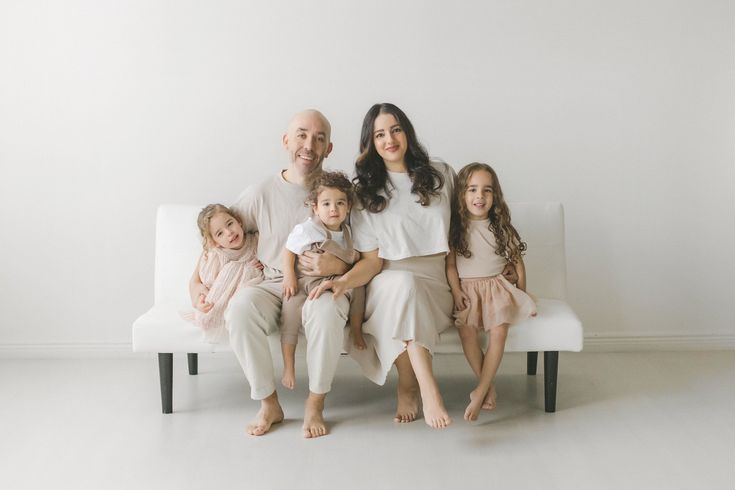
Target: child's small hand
[(290, 287), (461, 300), (202, 304), (200, 291), (510, 273), (256, 263)]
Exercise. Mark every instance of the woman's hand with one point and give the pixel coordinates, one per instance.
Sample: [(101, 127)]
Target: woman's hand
[(290, 287), (337, 287), (321, 264)]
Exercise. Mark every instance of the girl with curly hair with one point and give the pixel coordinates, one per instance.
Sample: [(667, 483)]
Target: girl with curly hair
[(483, 243)]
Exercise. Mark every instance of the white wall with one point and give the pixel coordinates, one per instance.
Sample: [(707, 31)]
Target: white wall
[(624, 111)]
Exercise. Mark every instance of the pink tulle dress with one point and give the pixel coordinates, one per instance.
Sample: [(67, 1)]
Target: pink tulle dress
[(223, 272)]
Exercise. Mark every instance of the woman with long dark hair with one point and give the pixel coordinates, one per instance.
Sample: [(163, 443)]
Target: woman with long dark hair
[(400, 225)]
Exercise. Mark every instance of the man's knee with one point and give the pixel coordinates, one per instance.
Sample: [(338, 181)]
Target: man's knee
[(326, 309), (248, 307)]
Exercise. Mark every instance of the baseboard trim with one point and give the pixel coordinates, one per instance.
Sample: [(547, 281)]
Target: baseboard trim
[(592, 343), (87, 350), (637, 343)]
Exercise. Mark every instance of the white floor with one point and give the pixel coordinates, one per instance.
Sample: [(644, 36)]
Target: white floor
[(635, 420)]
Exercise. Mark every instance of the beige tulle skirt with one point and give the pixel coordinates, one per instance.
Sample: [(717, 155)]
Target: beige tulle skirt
[(493, 302)]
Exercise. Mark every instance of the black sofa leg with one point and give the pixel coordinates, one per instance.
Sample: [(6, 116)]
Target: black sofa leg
[(531, 361), (166, 373), (193, 360), (551, 367)]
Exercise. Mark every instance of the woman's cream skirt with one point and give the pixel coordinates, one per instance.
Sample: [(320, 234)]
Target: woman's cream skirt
[(409, 300)]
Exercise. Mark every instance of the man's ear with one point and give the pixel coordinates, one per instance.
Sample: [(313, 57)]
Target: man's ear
[(329, 150), (284, 140)]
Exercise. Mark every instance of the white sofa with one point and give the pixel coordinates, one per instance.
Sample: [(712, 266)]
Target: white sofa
[(556, 328)]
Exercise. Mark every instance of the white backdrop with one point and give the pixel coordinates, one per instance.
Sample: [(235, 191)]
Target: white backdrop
[(624, 111)]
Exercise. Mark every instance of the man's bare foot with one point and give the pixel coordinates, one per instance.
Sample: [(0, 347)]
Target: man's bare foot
[(270, 413), (473, 409), (289, 378), (435, 414), (314, 425), (408, 403), (489, 402)]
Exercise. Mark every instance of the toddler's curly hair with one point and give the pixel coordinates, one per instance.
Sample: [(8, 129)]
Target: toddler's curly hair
[(332, 180)]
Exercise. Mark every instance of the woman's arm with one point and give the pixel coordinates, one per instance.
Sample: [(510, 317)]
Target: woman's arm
[(461, 301), (364, 269), (322, 264)]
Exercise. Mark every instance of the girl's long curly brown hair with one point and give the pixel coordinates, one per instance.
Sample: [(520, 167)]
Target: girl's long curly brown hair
[(371, 174), (508, 241)]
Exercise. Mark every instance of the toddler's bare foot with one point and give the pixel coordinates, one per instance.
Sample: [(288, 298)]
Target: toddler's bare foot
[(289, 379), (435, 414), (473, 409), (314, 425), (359, 341), (270, 413), (408, 403)]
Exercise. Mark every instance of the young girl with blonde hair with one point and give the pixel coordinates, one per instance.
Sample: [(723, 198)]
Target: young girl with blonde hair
[(483, 242), (228, 262)]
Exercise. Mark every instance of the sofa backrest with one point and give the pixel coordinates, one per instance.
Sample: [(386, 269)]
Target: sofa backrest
[(178, 246), (540, 224)]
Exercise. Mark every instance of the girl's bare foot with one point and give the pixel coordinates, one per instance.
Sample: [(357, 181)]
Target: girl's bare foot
[(289, 378), (489, 402), (270, 413), (435, 414), (473, 409), (314, 425)]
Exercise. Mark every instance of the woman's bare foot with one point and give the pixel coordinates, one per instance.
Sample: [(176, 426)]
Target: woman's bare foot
[(270, 413), (473, 409), (490, 400), (314, 425), (408, 403), (358, 340), (289, 378), (435, 414)]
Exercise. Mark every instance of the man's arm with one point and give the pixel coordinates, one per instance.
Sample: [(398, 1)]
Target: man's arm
[(322, 264)]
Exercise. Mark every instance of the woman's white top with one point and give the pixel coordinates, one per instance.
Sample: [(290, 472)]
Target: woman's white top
[(307, 233), (405, 228)]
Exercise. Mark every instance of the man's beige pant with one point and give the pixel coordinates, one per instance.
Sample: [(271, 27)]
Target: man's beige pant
[(253, 314)]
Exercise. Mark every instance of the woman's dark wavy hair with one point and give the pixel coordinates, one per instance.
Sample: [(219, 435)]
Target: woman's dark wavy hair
[(508, 241), (371, 174)]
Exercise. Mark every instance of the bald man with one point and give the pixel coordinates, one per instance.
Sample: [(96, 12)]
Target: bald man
[(273, 208)]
